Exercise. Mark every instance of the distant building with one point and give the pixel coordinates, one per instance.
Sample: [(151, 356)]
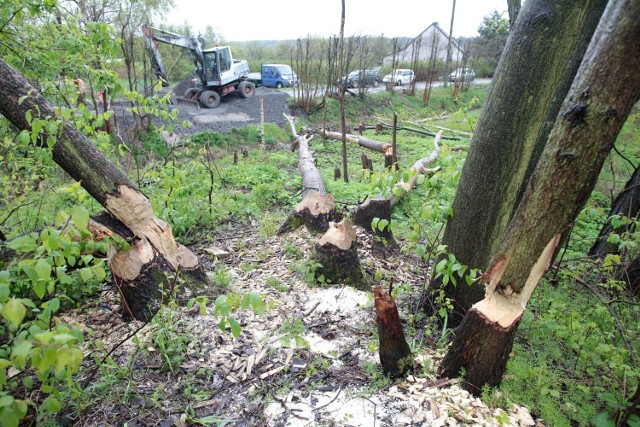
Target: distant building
[(432, 40)]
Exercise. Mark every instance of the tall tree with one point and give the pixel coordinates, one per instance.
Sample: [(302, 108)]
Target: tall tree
[(599, 102), (141, 272), (533, 77)]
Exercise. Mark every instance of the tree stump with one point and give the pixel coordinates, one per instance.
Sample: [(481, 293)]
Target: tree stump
[(336, 252), (366, 162), (143, 276), (336, 174), (315, 211), (395, 354), (374, 207)]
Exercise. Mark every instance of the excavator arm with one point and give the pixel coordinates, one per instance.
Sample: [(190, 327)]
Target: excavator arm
[(193, 44)]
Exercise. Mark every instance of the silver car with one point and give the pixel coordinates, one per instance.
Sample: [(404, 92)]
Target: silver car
[(462, 75)]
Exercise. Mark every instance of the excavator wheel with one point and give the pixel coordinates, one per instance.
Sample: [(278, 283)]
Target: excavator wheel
[(209, 99), (246, 89), (190, 93)]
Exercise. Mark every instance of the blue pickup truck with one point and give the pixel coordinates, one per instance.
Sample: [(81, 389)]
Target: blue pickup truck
[(274, 75)]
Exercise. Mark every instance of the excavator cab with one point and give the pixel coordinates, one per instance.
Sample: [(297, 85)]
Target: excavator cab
[(211, 69)]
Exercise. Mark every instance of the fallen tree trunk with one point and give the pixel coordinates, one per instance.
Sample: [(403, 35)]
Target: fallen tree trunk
[(380, 206), (395, 354), (317, 208), (338, 258), (379, 146), (77, 155), (382, 125)]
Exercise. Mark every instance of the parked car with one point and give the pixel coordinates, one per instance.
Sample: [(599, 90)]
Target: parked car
[(362, 78), (400, 77), (462, 75)]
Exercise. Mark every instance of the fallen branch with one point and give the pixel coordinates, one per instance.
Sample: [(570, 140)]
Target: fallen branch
[(380, 206)]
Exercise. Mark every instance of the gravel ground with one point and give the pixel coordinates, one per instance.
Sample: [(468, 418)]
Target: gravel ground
[(235, 111)]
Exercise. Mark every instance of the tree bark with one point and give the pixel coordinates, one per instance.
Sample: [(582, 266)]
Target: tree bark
[(337, 254), (601, 97), (627, 203), (317, 208), (110, 187), (380, 206), (533, 76), (513, 6), (395, 354)]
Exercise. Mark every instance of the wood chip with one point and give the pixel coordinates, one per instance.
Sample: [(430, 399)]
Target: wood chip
[(271, 372)]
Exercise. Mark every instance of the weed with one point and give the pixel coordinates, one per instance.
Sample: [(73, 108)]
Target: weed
[(293, 329), (221, 276), (276, 283), (377, 379)]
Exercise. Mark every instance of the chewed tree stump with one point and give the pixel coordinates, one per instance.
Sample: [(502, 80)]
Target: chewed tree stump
[(336, 253), (316, 211), (395, 354)]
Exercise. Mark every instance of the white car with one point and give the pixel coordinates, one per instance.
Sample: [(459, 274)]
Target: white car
[(401, 76), (462, 75)]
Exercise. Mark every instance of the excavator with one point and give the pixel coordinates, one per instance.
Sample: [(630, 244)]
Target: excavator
[(217, 72)]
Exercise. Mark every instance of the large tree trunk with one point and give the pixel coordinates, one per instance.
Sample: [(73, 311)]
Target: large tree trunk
[(537, 66), (317, 208), (601, 97), (113, 190), (627, 203), (380, 206)]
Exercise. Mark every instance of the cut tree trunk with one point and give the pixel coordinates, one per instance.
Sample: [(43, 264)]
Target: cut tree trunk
[(380, 206), (395, 354), (337, 254), (598, 104), (112, 189), (317, 208)]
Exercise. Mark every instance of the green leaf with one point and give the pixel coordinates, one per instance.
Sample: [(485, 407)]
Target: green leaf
[(19, 354), (603, 420), (14, 311), (23, 244), (236, 329), (441, 265), (39, 288), (257, 304), (51, 404), (80, 217), (42, 269), (86, 274)]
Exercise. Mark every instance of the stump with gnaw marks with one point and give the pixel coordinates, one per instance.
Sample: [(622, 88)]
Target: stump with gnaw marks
[(336, 253), (395, 354)]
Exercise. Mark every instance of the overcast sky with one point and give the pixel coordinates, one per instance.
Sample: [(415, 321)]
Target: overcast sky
[(242, 20)]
